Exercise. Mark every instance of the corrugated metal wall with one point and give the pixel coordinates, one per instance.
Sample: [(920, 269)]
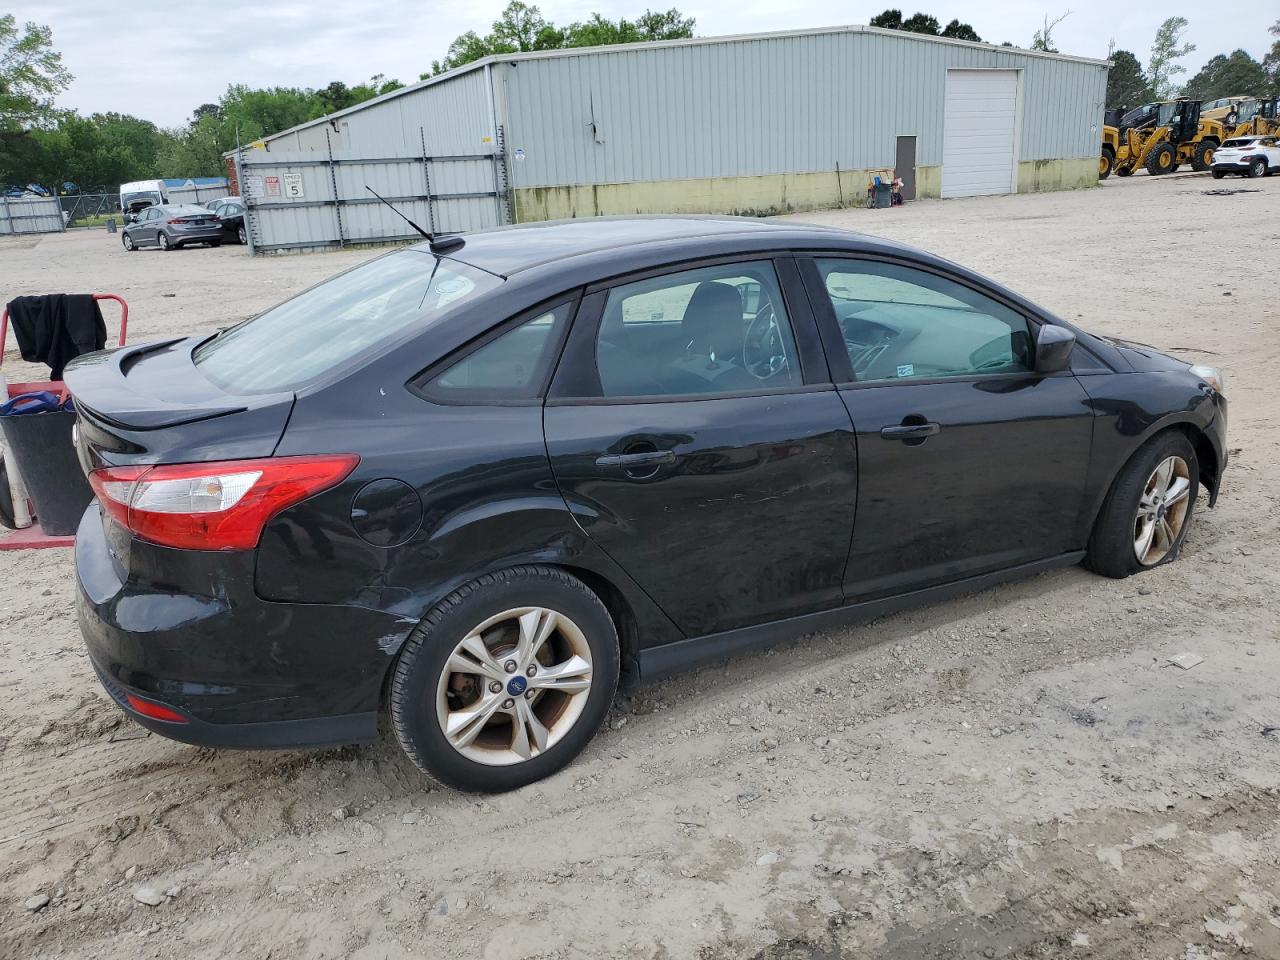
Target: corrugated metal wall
[(332, 206), (758, 106), (31, 215), (452, 116)]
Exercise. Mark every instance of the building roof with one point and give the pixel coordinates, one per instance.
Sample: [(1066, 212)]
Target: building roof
[(484, 62)]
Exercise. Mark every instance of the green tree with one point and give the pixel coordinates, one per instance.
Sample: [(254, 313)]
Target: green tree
[(1043, 38), (31, 74), (1227, 76), (522, 28), (666, 25), (960, 31), (889, 20), (1166, 50), (1271, 62), (1127, 84), (924, 23)]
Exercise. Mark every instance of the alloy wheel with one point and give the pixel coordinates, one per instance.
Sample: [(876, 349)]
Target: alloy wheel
[(514, 686), (1162, 511)]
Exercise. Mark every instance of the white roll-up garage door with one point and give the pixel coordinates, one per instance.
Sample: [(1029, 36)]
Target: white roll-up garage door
[(978, 132)]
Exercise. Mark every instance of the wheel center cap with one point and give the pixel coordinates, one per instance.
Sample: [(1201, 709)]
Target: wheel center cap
[(517, 685)]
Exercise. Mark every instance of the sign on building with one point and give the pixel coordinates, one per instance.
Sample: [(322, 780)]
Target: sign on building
[(293, 186), (272, 186)]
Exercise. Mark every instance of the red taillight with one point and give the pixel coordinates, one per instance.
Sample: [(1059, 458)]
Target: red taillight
[(156, 711), (213, 506)]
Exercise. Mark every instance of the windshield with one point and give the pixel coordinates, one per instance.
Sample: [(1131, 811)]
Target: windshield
[(326, 326)]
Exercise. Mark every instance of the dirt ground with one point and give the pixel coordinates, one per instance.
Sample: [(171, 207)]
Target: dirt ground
[(1019, 773)]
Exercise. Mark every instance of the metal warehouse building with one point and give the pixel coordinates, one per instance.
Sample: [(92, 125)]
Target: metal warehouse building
[(755, 124)]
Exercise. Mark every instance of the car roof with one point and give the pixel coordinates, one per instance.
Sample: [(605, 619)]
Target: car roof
[(506, 251)]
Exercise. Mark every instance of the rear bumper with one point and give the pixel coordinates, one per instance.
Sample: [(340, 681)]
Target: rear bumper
[(241, 671), (194, 236)]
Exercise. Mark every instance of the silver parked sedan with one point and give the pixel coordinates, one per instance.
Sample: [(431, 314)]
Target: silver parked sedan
[(170, 226)]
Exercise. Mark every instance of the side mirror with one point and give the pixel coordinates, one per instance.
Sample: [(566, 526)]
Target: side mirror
[(1053, 348)]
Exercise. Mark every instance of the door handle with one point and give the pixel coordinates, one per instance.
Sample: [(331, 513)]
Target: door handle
[(910, 431), (637, 461)]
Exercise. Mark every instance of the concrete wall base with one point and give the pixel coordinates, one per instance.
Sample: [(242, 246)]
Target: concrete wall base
[(1035, 176), (768, 195), (740, 196)]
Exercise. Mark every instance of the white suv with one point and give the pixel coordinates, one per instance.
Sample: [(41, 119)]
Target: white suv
[(1252, 156)]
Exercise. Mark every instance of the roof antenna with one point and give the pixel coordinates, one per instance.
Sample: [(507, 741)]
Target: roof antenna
[(438, 244)]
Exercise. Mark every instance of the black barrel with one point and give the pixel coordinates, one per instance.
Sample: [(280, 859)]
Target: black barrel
[(41, 445)]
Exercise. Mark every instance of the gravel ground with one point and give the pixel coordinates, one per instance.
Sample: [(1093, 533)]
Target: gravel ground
[(1018, 773)]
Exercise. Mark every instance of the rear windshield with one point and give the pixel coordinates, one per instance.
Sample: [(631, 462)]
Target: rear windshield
[(1238, 143), (324, 327)]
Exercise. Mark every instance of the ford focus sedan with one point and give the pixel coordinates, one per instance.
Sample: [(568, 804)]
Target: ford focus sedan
[(480, 482)]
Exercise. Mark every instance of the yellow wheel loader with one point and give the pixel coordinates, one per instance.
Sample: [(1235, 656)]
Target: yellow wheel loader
[(1168, 135)]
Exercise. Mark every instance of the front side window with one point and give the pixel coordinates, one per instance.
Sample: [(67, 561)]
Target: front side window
[(324, 327), (712, 330), (511, 367), (899, 323)]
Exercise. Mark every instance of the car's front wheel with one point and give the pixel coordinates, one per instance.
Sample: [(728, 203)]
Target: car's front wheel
[(1148, 511), (127, 241), (505, 680), (1258, 167)]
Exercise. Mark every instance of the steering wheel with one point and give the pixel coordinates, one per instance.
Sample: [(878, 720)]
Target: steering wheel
[(763, 353)]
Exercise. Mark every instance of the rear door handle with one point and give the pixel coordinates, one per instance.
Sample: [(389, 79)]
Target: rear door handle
[(910, 431), (637, 461)]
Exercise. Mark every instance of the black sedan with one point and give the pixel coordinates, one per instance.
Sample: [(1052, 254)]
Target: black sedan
[(231, 215), (171, 227), (481, 481)]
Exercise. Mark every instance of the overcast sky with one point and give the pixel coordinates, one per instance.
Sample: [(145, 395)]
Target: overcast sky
[(161, 60)]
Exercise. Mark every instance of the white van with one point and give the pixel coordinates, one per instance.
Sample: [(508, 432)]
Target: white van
[(142, 193)]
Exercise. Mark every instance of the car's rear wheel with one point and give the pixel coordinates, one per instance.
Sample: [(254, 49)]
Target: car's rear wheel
[(1148, 511), (505, 680), (242, 236), (1258, 167), (1219, 174), (162, 238), (127, 241)]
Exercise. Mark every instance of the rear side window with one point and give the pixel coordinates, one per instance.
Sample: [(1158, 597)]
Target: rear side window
[(717, 330), (324, 327), (511, 367)]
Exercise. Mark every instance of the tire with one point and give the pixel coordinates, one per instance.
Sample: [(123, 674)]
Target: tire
[(427, 692), (1258, 167), (1106, 163), (128, 242), (1162, 159), (162, 239), (1114, 545), (1219, 174), (215, 243), (1202, 157), (1124, 171), (242, 236)]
